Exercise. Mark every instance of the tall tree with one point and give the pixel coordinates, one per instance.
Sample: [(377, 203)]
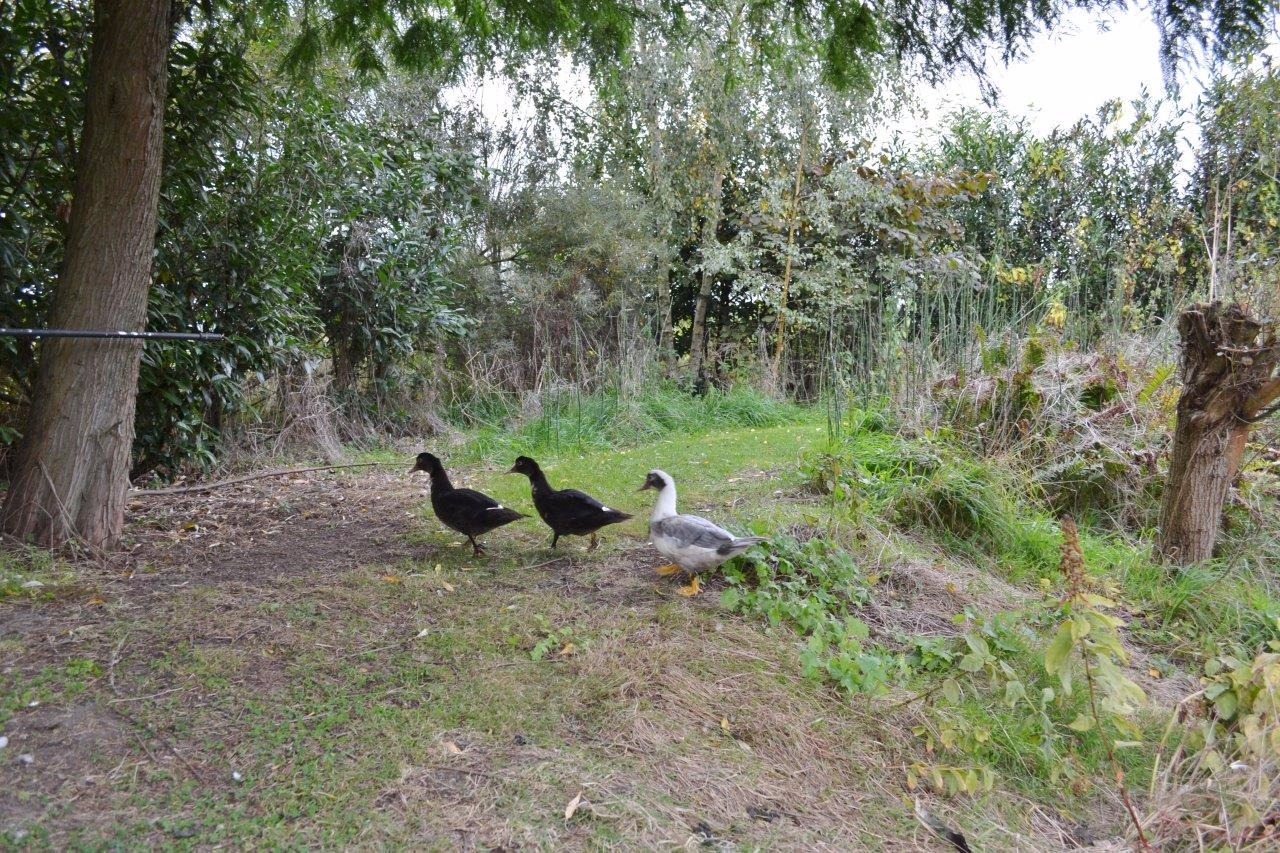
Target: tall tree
[(71, 476)]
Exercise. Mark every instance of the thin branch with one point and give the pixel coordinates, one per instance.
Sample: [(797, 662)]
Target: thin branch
[(1111, 755)]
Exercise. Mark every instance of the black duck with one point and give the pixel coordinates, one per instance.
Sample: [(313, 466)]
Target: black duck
[(467, 511), (568, 512)]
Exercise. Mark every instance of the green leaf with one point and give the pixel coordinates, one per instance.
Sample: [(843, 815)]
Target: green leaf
[(1082, 723), (951, 690), (978, 644), (1226, 705), (855, 627), (1059, 650), (971, 662)]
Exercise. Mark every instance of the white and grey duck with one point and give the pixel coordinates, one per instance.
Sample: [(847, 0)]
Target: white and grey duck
[(693, 544), (467, 511)]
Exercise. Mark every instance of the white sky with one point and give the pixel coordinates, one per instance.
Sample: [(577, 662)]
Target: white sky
[(1070, 72), (1064, 75)]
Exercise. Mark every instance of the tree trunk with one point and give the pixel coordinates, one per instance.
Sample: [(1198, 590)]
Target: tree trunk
[(698, 334), (1228, 359), (793, 217), (666, 332), (71, 473)]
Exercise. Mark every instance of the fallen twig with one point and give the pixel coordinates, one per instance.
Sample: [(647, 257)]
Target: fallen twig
[(111, 666), (204, 487)]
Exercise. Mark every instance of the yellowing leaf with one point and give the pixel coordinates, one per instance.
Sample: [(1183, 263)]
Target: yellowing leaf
[(724, 724), (391, 578), (567, 649), (448, 586)]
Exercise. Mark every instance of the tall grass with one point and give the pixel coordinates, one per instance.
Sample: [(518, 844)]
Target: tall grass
[(572, 421)]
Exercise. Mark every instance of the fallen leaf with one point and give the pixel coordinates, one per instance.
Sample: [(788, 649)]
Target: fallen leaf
[(391, 578), (453, 747), (1154, 673), (567, 649), (573, 806), (95, 601), (448, 586), (724, 724)]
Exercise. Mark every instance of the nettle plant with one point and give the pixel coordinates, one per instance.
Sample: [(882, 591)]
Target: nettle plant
[(1054, 719)]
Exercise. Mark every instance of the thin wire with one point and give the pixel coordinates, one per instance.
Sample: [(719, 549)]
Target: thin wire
[(104, 333)]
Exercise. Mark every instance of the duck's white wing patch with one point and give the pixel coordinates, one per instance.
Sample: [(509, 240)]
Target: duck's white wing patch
[(492, 508)]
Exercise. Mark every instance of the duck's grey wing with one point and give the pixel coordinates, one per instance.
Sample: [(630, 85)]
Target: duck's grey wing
[(690, 531)]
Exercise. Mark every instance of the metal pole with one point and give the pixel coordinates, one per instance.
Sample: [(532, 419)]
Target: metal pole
[(102, 333)]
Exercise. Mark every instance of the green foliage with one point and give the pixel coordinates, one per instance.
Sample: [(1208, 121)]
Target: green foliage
[(1235, 198), (963, 501), (63, 682), (814, 589), (1220, 763), (559, 641)]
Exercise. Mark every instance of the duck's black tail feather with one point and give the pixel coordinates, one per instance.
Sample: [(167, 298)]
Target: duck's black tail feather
[(500, 515)]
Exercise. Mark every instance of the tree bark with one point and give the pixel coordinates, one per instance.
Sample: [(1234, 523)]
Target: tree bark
[(698, 334), (793, 217), (1228, 359), (71, 472), (666, 332), (659, 176)]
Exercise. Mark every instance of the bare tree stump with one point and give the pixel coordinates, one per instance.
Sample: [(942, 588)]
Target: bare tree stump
[(1229, 361)]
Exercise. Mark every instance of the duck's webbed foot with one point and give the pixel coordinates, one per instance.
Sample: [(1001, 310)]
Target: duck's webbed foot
[(692, 588), (668, 570)]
